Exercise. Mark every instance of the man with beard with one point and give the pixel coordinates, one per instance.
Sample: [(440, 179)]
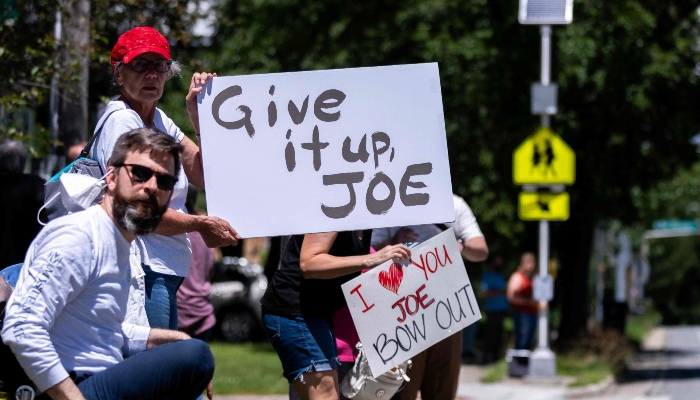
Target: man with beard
[(65, 319)]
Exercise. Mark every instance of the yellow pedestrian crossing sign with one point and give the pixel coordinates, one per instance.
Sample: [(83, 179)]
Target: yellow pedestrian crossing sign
[(534, 206), (544, 159)]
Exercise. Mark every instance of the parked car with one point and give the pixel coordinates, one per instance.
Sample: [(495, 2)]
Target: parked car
[(236, 290)]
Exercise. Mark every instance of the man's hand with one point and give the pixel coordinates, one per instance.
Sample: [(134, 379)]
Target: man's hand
[(216, 232), (65, 390), (210, 391)]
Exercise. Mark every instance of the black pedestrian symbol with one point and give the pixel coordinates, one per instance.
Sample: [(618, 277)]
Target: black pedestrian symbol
[(540, 205), (544, 159)]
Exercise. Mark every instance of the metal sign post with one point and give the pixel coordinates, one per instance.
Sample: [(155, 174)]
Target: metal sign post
[(542, 360), (544, 97)]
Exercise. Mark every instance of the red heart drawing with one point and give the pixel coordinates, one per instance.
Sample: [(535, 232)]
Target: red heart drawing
[(391, 280)]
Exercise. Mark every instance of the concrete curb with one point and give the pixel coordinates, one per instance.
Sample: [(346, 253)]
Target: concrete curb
[(590, 390)]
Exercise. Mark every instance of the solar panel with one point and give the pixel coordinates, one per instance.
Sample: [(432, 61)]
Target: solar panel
[(545, 12)]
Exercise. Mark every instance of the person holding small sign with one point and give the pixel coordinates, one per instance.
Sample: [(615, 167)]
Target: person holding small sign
[(141, 64), (304, 294), (435, 371)]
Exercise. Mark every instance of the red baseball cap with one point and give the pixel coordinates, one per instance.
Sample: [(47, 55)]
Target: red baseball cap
[(139, 40)]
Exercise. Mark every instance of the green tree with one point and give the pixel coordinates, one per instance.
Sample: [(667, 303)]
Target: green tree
[(26, 66), (674, 261), (30, 54), (628, 89)]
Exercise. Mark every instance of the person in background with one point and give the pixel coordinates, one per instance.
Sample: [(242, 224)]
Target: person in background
[(525, 308), (469, 355), (195, 312), (435, 371), (21, 197), (141, 64), (73, 152), (493, 290)]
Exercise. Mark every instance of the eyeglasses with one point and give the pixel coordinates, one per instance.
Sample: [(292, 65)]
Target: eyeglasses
[(140, 65), (142, 174)]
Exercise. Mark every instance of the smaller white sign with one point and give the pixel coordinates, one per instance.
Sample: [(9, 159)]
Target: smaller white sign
[(401, 309), (543, 288)]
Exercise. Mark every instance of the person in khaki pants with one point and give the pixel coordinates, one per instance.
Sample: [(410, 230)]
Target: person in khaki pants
[(435, 371)]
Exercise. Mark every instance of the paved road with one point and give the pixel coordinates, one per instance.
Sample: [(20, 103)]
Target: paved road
[(674, 368)]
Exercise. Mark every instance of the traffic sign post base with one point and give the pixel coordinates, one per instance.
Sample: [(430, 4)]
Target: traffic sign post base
[(542, 363)]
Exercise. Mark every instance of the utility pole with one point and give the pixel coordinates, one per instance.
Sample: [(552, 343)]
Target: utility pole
[(543, 361)]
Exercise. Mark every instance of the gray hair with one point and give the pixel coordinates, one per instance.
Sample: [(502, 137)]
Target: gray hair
[(146, 139), (13, 156)]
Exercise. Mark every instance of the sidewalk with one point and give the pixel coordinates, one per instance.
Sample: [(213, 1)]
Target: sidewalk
[(471, 387)]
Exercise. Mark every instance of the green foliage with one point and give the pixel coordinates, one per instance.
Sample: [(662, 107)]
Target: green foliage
[(676, 198), (675, 278), (594, 357), (26, 67), (496, 372), (587, 368), (638, 326)]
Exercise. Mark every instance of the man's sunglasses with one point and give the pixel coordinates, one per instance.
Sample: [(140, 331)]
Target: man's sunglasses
[(142, 174), (140, 65)]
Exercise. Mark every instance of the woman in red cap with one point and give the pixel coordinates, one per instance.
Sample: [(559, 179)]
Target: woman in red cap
[(141, 64)]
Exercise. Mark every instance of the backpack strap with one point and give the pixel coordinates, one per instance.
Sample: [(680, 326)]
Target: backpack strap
[(86, 149)]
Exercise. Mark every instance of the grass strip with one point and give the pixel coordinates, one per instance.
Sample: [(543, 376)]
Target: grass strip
[(247, 368)]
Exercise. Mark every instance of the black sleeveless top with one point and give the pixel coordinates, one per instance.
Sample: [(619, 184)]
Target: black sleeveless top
[(290, 295)]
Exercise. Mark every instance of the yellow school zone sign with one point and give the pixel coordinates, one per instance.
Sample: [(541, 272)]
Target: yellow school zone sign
[(544, 159), (543, 206)]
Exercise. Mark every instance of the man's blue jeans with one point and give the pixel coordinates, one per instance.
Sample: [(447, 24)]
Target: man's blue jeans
[(176, 370)]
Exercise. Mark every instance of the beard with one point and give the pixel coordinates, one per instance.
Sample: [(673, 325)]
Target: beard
[(140, 216)]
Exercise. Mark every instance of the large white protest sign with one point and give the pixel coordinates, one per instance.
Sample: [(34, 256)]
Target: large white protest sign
[(330, 150), (401, 309)]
